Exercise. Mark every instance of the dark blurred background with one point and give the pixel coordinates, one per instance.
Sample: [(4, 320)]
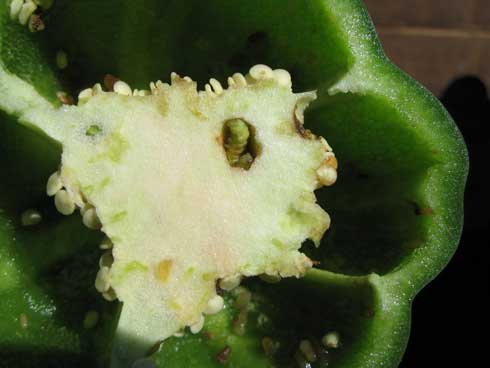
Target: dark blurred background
[(445, 44)]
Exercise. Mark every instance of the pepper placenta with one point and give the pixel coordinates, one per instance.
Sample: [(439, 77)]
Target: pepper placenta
[(396, 207)]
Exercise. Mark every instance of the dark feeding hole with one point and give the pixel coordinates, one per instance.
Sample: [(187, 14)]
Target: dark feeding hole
[(240, 143), (420, 210)]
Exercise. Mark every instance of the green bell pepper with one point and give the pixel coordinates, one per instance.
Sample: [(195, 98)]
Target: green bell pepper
[(396, 208)]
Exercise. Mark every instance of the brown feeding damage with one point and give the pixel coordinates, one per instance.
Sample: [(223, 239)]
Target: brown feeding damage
[(109, 81), (299, 124), (223, 356), (36, 23), (163, 270)]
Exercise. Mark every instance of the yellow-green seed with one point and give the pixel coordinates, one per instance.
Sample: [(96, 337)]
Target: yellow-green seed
[(91, 319), (270, 279), (26, 11), (102, 280), (24, 322), (15, 7), (122, 88), (197, 327), (229, 283), (30, 217), (106, 243), (261, 71), (331, 340), (106, 260), (110, 295), (215, 304), (301, 360), (306, 348), (54, 184), (64, 202), (61, 59), (90, 219), (282, 77), (216, 85)]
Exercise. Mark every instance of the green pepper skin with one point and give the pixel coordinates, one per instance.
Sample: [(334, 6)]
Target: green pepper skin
[(397, 209)]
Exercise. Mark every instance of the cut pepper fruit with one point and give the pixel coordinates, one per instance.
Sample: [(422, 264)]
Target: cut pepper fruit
[(396, 208)]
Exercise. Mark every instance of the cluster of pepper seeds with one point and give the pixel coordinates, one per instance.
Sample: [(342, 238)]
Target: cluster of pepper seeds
[(235, 147), (310, 351), (66, 202), (213, 88), (29, 12)]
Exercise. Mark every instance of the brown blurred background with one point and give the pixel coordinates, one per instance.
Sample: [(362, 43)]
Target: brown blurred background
[(445, 44), (435, 41)]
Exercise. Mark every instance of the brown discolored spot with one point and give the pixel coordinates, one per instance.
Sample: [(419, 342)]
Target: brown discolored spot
[(223, 356), (163, 269), (426, 211), (332, 162), (208, 334), (162, 106), (109, 81), (298, 124), (65, 99), (219, 290), (36, 23), (420, 210)]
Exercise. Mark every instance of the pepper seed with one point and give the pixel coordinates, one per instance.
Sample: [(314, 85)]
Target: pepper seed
[(306, 348), (64, 202), (215, 304), (30, 217), (91, 319), (331, 340)]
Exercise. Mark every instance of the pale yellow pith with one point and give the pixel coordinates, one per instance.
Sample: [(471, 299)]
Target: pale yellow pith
[(154, 176)]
